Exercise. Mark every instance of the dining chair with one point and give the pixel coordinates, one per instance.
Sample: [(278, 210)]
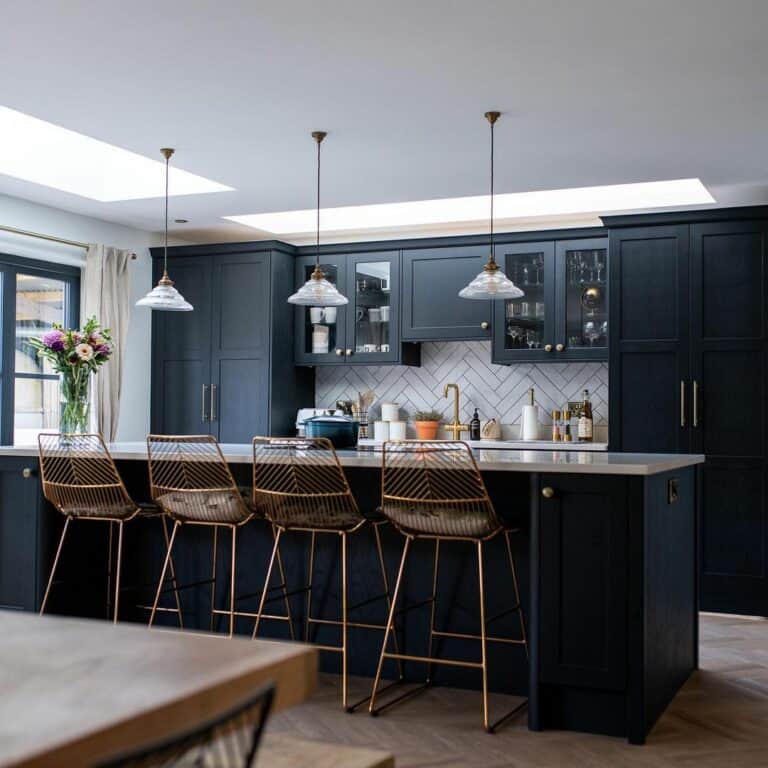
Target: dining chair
[(230, 740), (433, 490)]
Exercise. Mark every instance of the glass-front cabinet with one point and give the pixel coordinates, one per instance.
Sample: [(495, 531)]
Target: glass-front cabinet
[(367, 329), (563, 314)]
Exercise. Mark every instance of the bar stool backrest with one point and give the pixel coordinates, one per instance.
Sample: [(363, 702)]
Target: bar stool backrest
[(435, 488), (299, 482), (80, 478), (191, 480), (230, 740)]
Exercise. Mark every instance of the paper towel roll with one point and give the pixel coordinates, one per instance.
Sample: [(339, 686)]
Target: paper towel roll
[(529, 429)]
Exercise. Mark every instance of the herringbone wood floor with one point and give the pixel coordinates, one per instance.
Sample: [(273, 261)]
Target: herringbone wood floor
[(718, 720)]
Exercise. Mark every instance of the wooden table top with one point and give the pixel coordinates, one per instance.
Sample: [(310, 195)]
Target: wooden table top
[(74, 691)]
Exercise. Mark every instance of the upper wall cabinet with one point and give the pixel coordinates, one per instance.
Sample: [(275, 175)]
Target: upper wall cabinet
[(367, 330), (563, 314), (432, 309)]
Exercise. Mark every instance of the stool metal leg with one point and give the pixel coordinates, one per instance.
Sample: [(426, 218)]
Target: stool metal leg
[(390, 623), (436, 567), (344, 621), (483, 656), (109, 568), (54, 566), (268, 578), (385, 581), (286, 601), (172, 569), (160, 583), (307, 622), (232, 583), (520, 615), (213, 575), (118, 563)]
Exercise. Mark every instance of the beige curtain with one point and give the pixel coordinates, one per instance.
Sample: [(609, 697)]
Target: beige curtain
[(107, 295)]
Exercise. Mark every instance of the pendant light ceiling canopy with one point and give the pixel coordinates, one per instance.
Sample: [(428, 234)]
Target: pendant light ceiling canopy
[(317, 291), (491, 283), (164, 296)]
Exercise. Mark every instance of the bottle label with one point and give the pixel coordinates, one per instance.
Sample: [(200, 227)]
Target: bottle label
[(585, 428)]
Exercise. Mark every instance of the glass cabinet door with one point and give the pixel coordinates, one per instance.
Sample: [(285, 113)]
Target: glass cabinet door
[(524, 327), (373, 332), (321, 329), (585, 303)]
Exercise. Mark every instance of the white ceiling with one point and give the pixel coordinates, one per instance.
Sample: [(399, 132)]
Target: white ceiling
[(592, 92)]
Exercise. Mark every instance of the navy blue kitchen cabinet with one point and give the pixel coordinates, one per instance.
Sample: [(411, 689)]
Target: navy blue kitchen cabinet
[(226, 368), (24, 546), (689, 373), (563, 314), (432, 309), (366, 331)]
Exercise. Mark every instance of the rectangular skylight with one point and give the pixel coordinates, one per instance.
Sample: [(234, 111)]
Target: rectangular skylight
[(516, 205), (43, 153)]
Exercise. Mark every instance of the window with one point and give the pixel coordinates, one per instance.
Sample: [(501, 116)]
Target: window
[(33, 296)]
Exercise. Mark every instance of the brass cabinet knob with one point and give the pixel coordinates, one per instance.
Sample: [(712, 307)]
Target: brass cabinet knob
[(348, 352), (559, 347), (339, 352), (547, 492), (485, 326), (547, 347), (27, 472)]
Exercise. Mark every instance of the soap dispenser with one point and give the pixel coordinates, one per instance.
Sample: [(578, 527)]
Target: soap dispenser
[(529, 429), (474, 427)]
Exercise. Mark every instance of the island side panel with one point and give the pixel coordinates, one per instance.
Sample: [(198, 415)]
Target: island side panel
[(670, 605)]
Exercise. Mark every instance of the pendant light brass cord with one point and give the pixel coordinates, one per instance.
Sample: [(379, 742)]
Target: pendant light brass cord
[(165, 280), (318, 136), (492, 117)]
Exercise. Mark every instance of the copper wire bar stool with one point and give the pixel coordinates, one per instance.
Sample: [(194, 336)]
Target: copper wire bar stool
[(80, 479), (299, 485), (191, 482), (434, 490)]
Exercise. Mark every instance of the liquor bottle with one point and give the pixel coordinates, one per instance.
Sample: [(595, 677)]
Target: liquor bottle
[(585, 420), (474, 427)]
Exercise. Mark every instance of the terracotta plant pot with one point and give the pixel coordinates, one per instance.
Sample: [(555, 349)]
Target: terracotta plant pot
[(426, 430)]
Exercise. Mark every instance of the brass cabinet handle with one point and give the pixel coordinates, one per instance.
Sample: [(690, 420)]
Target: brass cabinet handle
[(339, 352), (695, 403), (547, 347), (484, 325), (348, 352), (547, 492), (560, 347), (682, 403), (203, 414), (27, 472), (214, 403)]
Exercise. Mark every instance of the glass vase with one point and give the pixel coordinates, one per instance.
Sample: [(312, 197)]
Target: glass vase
[(75, 408)]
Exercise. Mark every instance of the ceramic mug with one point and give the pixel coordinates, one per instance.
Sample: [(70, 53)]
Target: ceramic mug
[(384, 314), (329, 314), (316, 315)]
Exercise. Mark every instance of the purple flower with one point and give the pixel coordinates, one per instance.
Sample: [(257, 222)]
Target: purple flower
[(54, 340)]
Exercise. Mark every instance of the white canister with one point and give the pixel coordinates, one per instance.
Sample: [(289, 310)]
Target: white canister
[(319, 339), (381, 431), (397, 430), (315, 315), (329, 315), (390, 411)]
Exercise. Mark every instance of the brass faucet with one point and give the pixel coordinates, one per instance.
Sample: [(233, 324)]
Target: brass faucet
[(457, 427)]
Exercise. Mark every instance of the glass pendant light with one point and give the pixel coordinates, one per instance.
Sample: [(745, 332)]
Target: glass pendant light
[(491, 283), (164, 295), (317, 291)]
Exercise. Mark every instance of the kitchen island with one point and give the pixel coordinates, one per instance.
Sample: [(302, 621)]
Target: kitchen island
[(607, 551)]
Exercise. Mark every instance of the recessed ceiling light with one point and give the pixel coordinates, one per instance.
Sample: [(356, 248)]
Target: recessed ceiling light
[(516, 205), (43, 153)]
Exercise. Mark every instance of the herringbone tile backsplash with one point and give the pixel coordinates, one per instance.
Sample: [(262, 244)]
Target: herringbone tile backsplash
[(497, 391)]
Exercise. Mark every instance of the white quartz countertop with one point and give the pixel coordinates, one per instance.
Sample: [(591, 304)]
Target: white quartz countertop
[(572, 462), (511, 445)]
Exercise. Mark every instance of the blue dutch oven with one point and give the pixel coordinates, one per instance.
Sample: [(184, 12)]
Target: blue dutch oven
[(340, 430)]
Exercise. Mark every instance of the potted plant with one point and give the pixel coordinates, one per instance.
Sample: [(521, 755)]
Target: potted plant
[(75, 355), (427, 424)]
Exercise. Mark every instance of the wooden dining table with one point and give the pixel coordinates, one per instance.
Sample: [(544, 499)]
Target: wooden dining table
[(74, 691)]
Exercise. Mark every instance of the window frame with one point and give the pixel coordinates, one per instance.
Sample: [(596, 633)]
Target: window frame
[(10, 266)]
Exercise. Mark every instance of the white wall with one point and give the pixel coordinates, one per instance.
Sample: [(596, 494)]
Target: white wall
[(15, 212)]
